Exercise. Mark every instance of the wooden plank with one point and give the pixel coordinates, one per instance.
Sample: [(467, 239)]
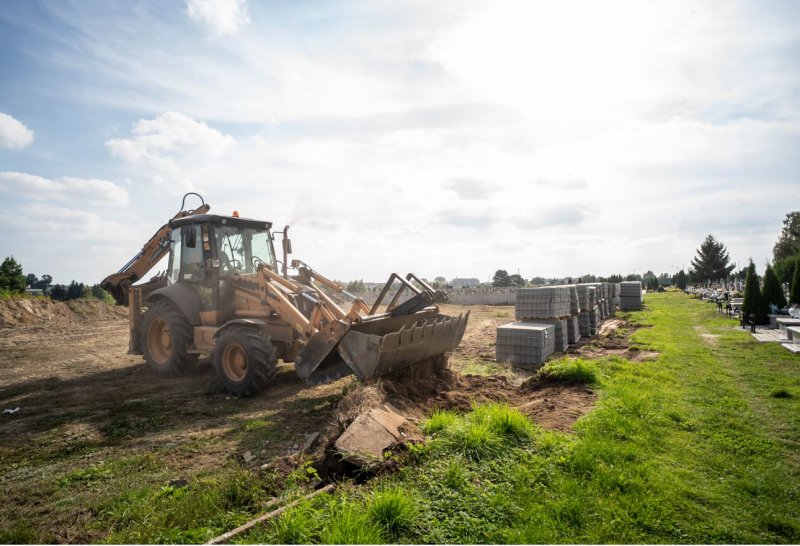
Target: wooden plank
[(225, 537)]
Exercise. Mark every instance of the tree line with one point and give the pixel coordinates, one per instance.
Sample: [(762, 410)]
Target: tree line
[(14, 281), (649, 280)]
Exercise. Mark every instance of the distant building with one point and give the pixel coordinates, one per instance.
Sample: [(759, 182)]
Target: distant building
[(465, 283)]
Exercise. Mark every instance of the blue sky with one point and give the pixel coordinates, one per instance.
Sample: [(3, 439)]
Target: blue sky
[(449, 138)]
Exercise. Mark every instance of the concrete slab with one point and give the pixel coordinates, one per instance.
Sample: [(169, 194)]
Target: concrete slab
[(370, 435), (791, 347), (770, 336), (786, 322)]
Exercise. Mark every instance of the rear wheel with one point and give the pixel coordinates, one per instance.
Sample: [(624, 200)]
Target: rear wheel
[(166, 336), (245, 360)]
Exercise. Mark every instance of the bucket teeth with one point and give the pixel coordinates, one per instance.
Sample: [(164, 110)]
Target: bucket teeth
[(402, 348)]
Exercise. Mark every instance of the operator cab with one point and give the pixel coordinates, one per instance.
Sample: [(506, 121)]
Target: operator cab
[(205, 249)]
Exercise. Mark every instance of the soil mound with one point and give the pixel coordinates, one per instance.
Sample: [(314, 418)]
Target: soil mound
[(20, 312)]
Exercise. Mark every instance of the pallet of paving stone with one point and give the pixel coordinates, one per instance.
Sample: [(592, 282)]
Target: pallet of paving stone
[(561, 334), (573, 329), (525, 342), (542, 302), (630, 296), (587, 326), (587, 296), (630, 288), (574, 303), (627, 303)]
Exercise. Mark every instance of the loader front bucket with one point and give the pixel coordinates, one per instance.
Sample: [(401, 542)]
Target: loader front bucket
[(381, 346)]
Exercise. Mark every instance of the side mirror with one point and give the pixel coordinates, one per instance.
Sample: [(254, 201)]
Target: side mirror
[(287, 246), (189, 236)]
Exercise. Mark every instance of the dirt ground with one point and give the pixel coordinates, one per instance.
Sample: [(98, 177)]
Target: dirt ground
[(83, 400)]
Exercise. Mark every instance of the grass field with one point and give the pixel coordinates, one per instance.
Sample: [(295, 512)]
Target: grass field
[(701, 445)]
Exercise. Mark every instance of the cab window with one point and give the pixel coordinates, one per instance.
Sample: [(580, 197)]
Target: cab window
[(242, 249)]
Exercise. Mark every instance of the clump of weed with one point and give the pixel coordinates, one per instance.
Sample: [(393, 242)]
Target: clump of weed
[(572, 370), (438, 421), (351, 526), (781, 393), (296, 526), (90, 474), (504, 421), (454, 476), (393, 509), (21, 534), (475, 440)]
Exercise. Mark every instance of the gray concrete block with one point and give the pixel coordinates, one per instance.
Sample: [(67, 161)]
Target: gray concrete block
[(525, 342)]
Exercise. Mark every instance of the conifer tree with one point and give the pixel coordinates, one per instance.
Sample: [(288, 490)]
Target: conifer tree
[(752, 295), (773, 292), (712, 262), (794, 293)]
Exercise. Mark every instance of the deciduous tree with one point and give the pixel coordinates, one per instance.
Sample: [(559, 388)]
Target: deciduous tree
[(788, 243), (501, 278)]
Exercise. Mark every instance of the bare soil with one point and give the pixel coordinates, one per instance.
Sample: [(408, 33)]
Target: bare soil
[(83, 401)]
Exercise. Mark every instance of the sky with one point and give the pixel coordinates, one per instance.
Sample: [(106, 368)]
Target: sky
[(448, 138)]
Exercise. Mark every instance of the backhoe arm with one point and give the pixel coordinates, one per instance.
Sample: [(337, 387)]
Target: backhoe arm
[(118, 284)]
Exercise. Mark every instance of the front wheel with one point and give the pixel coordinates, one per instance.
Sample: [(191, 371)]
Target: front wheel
[(166, 336), (245, 360)]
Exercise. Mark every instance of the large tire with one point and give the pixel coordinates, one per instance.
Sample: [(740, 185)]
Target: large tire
[(166, 337), (245, 360)]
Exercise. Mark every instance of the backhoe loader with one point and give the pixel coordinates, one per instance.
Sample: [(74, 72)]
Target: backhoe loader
[(224, 296)]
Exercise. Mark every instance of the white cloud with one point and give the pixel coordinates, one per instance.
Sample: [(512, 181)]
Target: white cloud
[(67, 188), (221, 16), (572, 137), (13, 134), (170, 135)]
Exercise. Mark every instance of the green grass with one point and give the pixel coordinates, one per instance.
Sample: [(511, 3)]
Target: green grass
[(205, 508), (697, 446), (393, 510), (572, 370), (350, 525), (438, 421)]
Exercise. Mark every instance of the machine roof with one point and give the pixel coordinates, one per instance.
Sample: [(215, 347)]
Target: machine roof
[(220, 220)]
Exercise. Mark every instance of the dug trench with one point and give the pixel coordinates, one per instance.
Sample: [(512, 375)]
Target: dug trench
[(551, 403)]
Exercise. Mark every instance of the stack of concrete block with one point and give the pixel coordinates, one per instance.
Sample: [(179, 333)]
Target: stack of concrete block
[(525, 342), (630, 295), (601, 298), (547, 305), (574, 301), (614, 297), (561, 332), (574, 329), (606, 299), (587, 299), (543, 302), (573, 322)]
